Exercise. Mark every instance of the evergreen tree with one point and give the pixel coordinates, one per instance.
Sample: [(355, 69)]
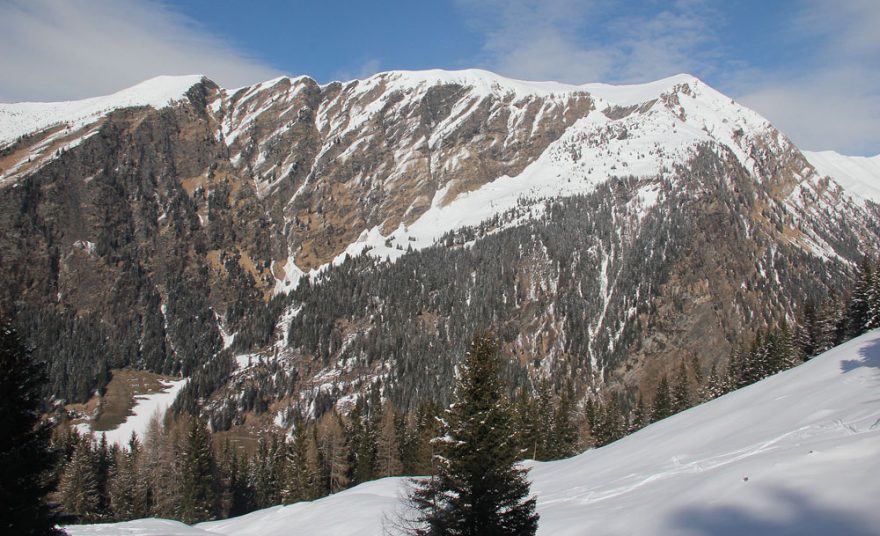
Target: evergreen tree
[(858, 311), (662, 407), (543, 414), (334, 452), (79, 483), (198, 494), (565, 431), (830, 324), (427, 428), (807, 331), (126, 493), (363, 444), (26, 459), (160, 469), (639, 416), (610, 424), (302, 472), (478, 490), (236, 497), (105, 461), (873, 320), (681, 391), (267, 472), (387, 447), (715, 385)]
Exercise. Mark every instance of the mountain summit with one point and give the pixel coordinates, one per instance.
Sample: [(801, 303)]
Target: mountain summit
[(316, 243)]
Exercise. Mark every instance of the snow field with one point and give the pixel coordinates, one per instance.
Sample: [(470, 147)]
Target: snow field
[(795, 454)]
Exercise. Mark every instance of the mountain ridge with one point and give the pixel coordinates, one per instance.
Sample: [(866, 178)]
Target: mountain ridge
[(202, 216)]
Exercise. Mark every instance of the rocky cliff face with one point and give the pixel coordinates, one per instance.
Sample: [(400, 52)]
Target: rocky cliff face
[(603, 232)]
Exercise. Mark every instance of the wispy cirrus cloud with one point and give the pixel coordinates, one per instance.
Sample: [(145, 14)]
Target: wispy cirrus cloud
[(818, 79), (831, 101), (69, 49), (581, 41)]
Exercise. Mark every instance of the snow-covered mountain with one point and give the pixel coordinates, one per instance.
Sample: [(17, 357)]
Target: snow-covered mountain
[(797, 453), (605, 231), (858, 175)]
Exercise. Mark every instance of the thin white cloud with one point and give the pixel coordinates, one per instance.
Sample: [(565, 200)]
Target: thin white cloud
[(68, 49), (829, 97), (586, 41), (834, 101)]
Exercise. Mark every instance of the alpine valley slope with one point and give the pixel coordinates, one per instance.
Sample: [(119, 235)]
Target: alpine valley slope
[(606, 232), (795, 454)]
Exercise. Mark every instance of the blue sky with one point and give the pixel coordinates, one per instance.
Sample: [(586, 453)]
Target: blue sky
[(811, 66)]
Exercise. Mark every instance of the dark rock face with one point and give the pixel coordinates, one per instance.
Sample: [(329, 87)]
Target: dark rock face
[(148, 241)]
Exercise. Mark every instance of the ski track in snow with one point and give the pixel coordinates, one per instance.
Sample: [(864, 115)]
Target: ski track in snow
[(797, 453)]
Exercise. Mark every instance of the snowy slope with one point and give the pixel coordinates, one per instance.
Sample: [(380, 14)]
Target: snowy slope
[(144, 408), (858, 175), (21, 118), (679, 113), (798, 453)]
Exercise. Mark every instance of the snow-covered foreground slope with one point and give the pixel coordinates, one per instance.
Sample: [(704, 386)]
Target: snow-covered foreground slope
[(858, 175), (798, 453)]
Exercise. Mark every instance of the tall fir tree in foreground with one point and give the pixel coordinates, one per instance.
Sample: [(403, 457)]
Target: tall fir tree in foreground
[(478, 489), (26, 460), (198, 493)]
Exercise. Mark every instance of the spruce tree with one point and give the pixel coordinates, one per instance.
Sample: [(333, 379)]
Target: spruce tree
[(858, 311), (387, 446), (565, 432), (26, 459), (478, 490), (198, 493), (126, 494), (662, 407), (681, 391), (873, 316), (79, 483)]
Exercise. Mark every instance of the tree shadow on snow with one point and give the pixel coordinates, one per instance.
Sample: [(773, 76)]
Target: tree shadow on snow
[(793, 514), (870, 357)]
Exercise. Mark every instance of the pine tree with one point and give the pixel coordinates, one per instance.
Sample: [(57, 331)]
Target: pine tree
[(610, 424), (427, 428), (26, 459), (387, 447), (79, 483), (662, 407), (126, 494), (565, 432), (198, 494), (873, 317), (639, 416), (363, 444), (830, 324), (714, 387), (543, 414), (478, 490), (681, 391), (236, 497), (334, 452), (302, 472), (267, 472), (807, 331), (858, 311), (105, 461), (160, 469)]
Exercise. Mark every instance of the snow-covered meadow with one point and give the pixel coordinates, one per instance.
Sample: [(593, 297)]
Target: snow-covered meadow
[(797, 453)]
